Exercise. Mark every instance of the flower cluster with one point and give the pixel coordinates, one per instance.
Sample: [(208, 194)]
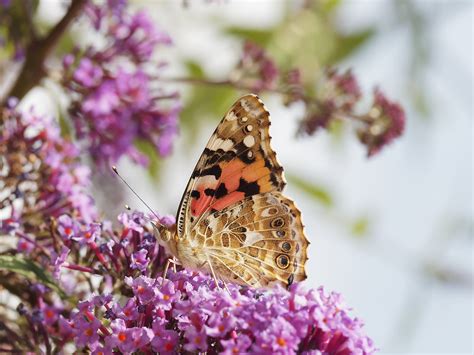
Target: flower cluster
[(337, 95), (336, 99), (384, 123), (135, 309), (116, 103), (187, 312), (256, 70), (41, 173)]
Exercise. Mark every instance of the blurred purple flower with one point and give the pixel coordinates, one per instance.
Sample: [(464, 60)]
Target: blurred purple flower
[(116, 103), (386, 122), (256, 69)]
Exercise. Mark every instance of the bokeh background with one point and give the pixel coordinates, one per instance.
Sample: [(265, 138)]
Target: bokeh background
[(392, 233)]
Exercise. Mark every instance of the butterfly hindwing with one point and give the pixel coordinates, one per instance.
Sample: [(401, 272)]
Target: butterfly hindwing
[(256, 241), (237, 162)]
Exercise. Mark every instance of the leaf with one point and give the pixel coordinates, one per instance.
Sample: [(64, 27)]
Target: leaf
[(205, 104), (314, 191), (346, 45), (360, 227), (194, 69), (148, 149), (261, 37), (30, 270)]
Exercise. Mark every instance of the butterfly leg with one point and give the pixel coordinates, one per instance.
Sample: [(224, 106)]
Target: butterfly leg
[(212, 272), (170, 261)]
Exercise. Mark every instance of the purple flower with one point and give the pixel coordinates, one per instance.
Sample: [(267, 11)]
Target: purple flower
[(164, 341), (50, 315), (58, 261), (86, 332), (386, 123), (239, 344), (129, 340), (67, 227), (256, 68), (167, 294), (89, 235), (25, 246), (139, 260), (143, 288), (87, 73)]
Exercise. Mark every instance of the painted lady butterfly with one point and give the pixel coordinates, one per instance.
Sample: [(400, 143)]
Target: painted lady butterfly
[(233, 220)]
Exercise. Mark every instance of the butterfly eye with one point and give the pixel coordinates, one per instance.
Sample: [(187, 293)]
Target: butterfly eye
[(283, 261), (277, 223)]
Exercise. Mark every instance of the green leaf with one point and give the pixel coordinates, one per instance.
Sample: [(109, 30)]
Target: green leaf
[(360, 227), (205, 104), (148, 149), (194, 69), (314, 191), (347, 45), (261, 37), (30, 270)]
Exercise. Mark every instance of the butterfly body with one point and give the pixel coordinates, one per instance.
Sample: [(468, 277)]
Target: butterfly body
[(233, 220)]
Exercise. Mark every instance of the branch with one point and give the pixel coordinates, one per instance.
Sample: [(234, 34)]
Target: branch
[(38, 51)]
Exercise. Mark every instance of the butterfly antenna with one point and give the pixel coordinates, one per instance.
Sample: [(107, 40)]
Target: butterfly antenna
[(114, 168)]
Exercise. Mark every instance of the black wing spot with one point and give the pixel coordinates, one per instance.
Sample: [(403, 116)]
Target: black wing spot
[(213, 170), (248, 188), (221, 191), (195, 194), (209, 192)]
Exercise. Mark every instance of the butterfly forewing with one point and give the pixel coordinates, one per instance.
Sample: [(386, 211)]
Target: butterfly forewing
[(237, 162)]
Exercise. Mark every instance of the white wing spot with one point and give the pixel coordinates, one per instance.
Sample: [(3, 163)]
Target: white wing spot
[(252, 238), (249, 128), (249, 141), (231, 116), (245, 105)]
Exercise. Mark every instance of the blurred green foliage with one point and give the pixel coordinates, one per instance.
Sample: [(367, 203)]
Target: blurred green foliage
[(312, 190), (30, 270)]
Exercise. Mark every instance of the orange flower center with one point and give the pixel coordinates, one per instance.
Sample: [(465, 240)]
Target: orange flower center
[(198, 340), (49, 314), (169, 346), (122, 337), (166, 297), (68, 231), (140, 289), (281, 341), (89, 332), (88, 235), (221, 328)]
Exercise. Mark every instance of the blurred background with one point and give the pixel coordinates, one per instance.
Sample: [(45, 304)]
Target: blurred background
[(392, 233)]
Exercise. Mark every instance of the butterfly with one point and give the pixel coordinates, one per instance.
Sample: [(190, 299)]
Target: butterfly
[(233, 220)]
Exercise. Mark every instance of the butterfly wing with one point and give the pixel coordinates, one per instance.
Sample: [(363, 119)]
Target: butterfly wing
[(237, 162), (256, 241)]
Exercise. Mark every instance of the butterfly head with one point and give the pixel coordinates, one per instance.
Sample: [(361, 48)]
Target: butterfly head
[(167, 238)]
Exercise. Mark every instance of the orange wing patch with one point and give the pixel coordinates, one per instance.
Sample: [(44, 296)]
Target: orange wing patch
[(236, 181)]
